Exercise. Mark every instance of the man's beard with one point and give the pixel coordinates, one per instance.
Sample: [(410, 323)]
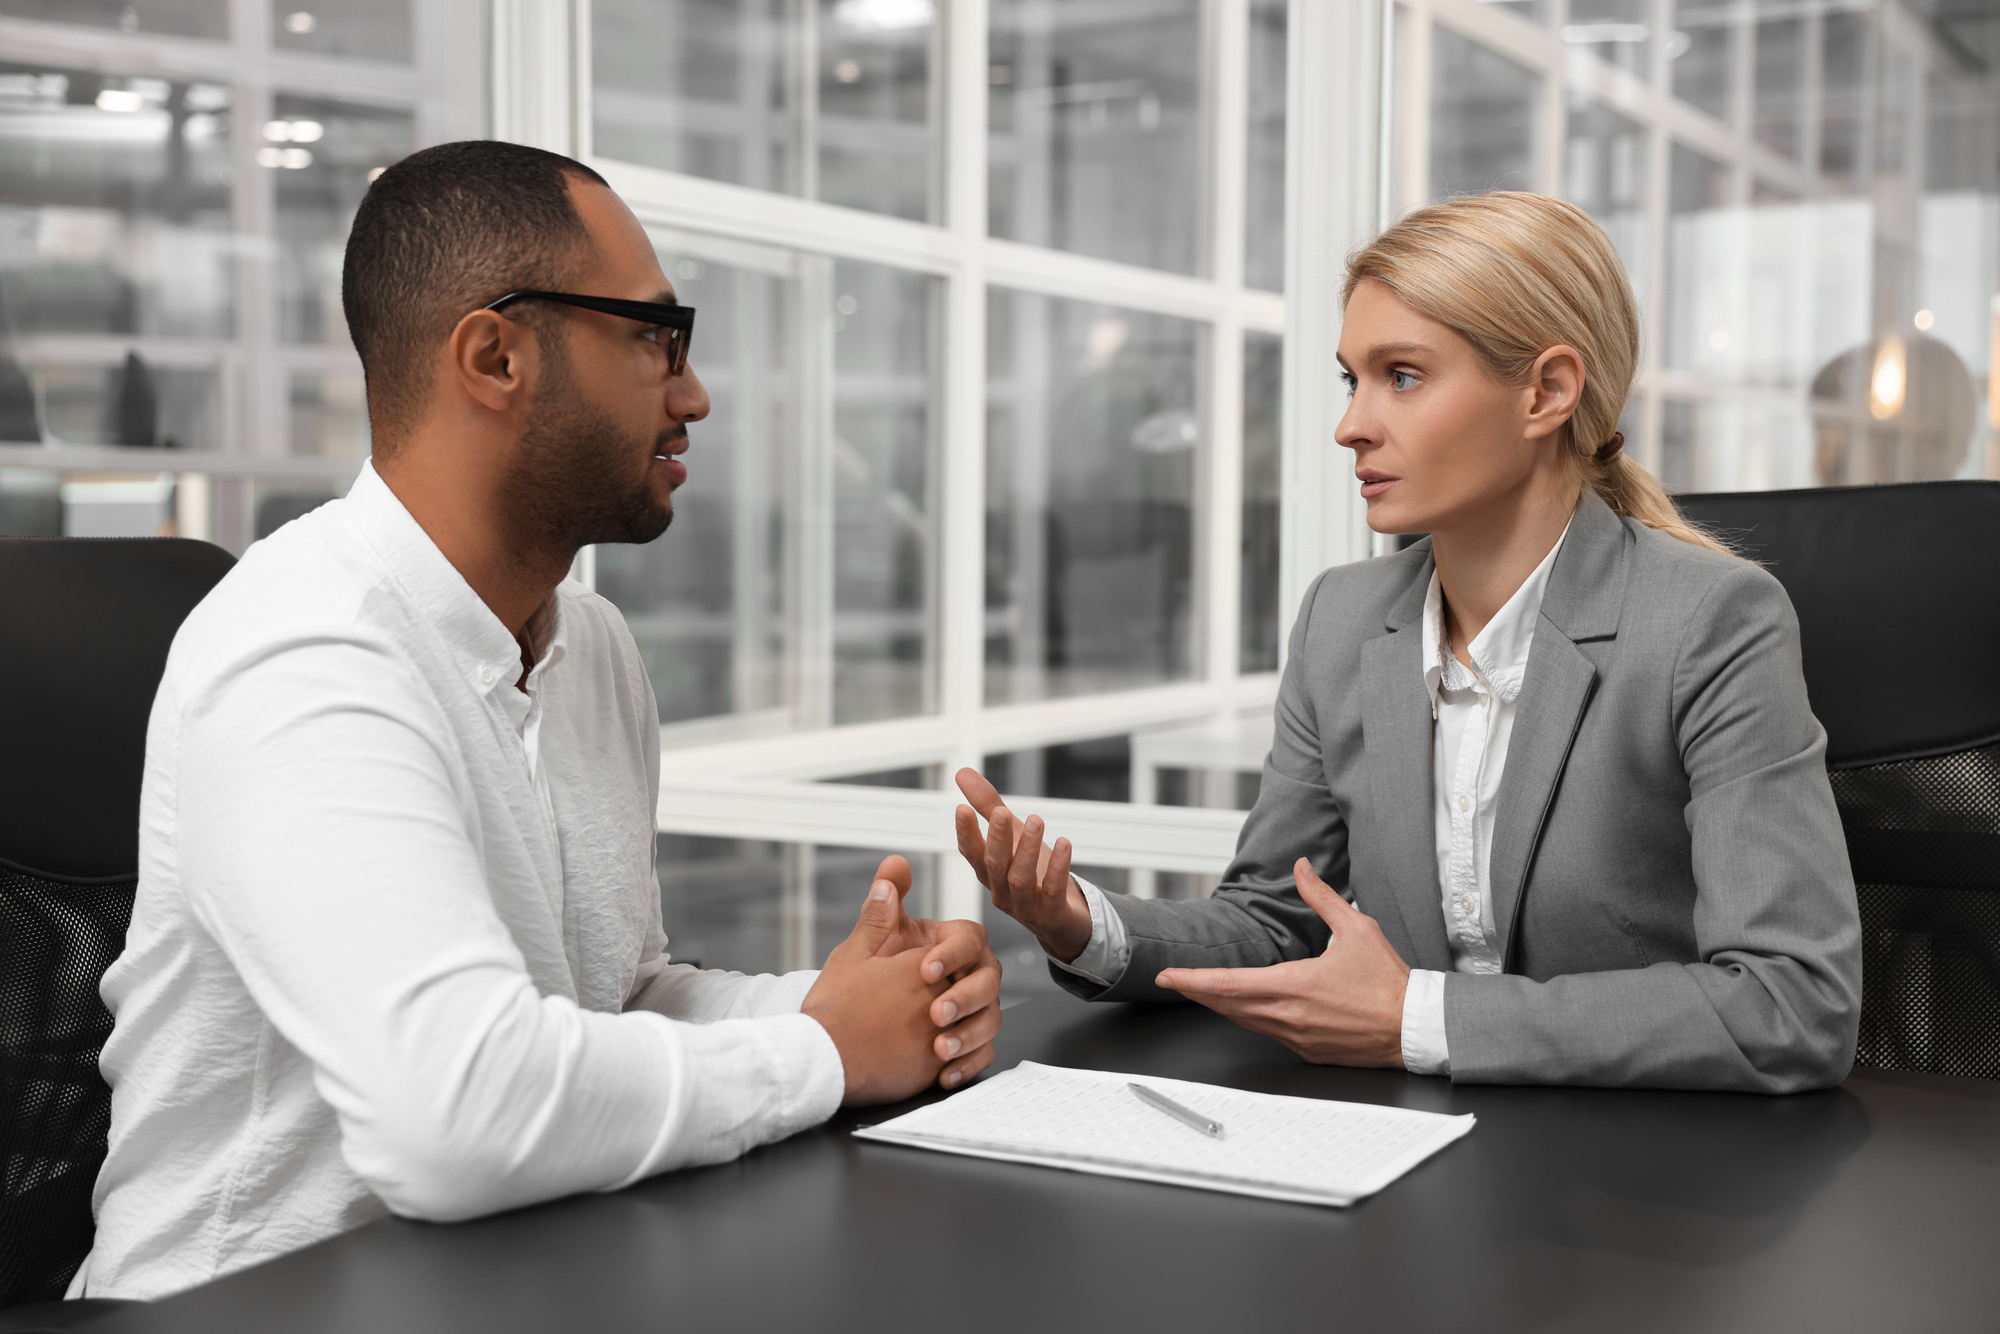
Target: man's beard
[(574, 481)]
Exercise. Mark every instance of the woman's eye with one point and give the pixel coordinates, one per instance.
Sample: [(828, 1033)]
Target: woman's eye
[(1352, 384), (1403, 379)]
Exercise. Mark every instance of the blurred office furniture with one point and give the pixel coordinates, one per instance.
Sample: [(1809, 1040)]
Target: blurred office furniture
[(89, 622), (1898, 596)]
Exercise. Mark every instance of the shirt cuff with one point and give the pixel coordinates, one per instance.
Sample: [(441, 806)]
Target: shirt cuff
[(1425, 1051), (1108, 952)]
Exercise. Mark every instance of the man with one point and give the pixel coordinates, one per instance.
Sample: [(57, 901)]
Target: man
[(397, 944)]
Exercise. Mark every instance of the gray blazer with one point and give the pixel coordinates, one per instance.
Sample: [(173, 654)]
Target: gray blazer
[(1669, 880)]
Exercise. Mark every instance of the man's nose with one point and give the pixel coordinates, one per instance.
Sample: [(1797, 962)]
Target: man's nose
[(687, 397)]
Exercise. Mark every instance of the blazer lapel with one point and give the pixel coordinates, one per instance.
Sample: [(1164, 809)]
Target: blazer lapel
[(1585, 596), (1396, 730), (1553, 697)]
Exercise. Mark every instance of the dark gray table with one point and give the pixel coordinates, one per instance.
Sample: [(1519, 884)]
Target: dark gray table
[(1873, 1207)]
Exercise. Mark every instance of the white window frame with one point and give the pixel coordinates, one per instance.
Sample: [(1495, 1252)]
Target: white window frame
[(767, 788)]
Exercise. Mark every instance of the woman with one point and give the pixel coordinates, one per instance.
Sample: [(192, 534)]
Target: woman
[(1545, 802)]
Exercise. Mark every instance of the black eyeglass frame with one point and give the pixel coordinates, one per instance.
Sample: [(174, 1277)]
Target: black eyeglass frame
[(677, 319)]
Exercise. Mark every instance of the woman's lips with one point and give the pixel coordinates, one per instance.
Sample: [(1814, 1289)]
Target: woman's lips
[(1372, 487)]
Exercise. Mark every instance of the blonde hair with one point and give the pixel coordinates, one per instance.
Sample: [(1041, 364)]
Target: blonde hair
[(1515, 274)]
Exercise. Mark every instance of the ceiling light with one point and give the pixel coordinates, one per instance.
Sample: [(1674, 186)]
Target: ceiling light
[(884, 15), (847, 71), (1924, 321), (1890, 381), (300, 23), (119, 99)]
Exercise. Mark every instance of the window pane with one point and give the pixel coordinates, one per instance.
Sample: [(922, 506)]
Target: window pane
[(1844, 47), (1482, 118), (117, 277), (1704, 73), (1264, 168), (1604, 173), (795, 587), (182, 18), (1697, 329), (1263, 368), (368, 29), (320, 156), (1095, 116), (727, 89), (1535, 11), (329, 414), (1617, 31), (1780, 74), (1092, 428)]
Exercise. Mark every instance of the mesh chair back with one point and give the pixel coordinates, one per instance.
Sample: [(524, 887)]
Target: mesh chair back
[(1898, 594), (90, 623)]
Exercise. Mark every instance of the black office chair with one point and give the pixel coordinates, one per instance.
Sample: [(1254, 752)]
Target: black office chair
[(88, 623), (1898, 595)]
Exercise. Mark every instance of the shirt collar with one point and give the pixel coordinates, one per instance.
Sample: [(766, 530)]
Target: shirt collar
[(489, 656), (1499, 653)]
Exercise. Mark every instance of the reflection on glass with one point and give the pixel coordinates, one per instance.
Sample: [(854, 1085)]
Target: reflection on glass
[(115, 257), (134, 403), (1704, 73), (795, 588), (1264, 165), (1535, 11), (1263, 368), (1843, 59), (329, 414), (321, 156), (842, 109), (1482, 118), (181, 18), (1092, 434), (1095, 118), (720, 901), (1604, 173), (1697, 329), (1780, 84), (368, 29), (1617, 31)]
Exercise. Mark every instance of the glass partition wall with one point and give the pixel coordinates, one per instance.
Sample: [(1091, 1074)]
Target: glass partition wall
[(990, 315), (176, 183), (1804, 193)]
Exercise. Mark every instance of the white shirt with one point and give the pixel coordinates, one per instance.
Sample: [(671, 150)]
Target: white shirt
[(397, 940), (1474, 711)]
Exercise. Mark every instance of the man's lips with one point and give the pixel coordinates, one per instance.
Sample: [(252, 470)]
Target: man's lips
[(677, 472)]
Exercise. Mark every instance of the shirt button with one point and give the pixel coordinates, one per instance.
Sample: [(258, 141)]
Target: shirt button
[(1463, 801), (486, 679), (1465, 905)]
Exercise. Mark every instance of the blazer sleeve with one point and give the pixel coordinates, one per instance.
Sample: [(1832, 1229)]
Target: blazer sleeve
[(1772, 1003), (1256, 916)]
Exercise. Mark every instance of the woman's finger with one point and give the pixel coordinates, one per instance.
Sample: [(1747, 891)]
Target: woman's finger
[(999, 850), (1021, 874), (971, 843), (1054, 889)]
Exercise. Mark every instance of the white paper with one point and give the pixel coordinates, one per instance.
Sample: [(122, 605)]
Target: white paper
[(1277, 1148)]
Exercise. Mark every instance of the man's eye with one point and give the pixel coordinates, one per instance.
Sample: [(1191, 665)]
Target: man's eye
[(651, 333), (1403, 379)]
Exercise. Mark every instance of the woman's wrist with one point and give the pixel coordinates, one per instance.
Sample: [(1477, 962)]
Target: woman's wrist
[(1066, 941)]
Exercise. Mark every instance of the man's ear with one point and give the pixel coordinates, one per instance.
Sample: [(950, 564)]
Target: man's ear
[(492, 358), (1555, 386)]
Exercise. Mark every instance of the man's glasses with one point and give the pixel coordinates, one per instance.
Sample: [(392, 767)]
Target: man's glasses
[(675, 322)]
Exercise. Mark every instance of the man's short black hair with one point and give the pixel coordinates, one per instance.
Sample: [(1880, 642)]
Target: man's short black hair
[(439, 235)]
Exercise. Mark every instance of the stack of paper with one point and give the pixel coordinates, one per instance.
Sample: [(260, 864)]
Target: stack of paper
[(1278, 1148)]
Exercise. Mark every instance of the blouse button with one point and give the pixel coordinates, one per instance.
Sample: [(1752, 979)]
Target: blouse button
[(486, 679), (1463, 802)]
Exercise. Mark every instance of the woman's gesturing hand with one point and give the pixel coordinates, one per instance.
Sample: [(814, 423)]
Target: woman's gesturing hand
[(1342, 1007), (1028, 879)]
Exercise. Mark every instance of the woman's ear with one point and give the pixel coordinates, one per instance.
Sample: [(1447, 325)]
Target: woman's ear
[(1556, 383)]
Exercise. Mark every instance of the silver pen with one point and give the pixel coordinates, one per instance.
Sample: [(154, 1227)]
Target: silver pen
[(1212, 1129)]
